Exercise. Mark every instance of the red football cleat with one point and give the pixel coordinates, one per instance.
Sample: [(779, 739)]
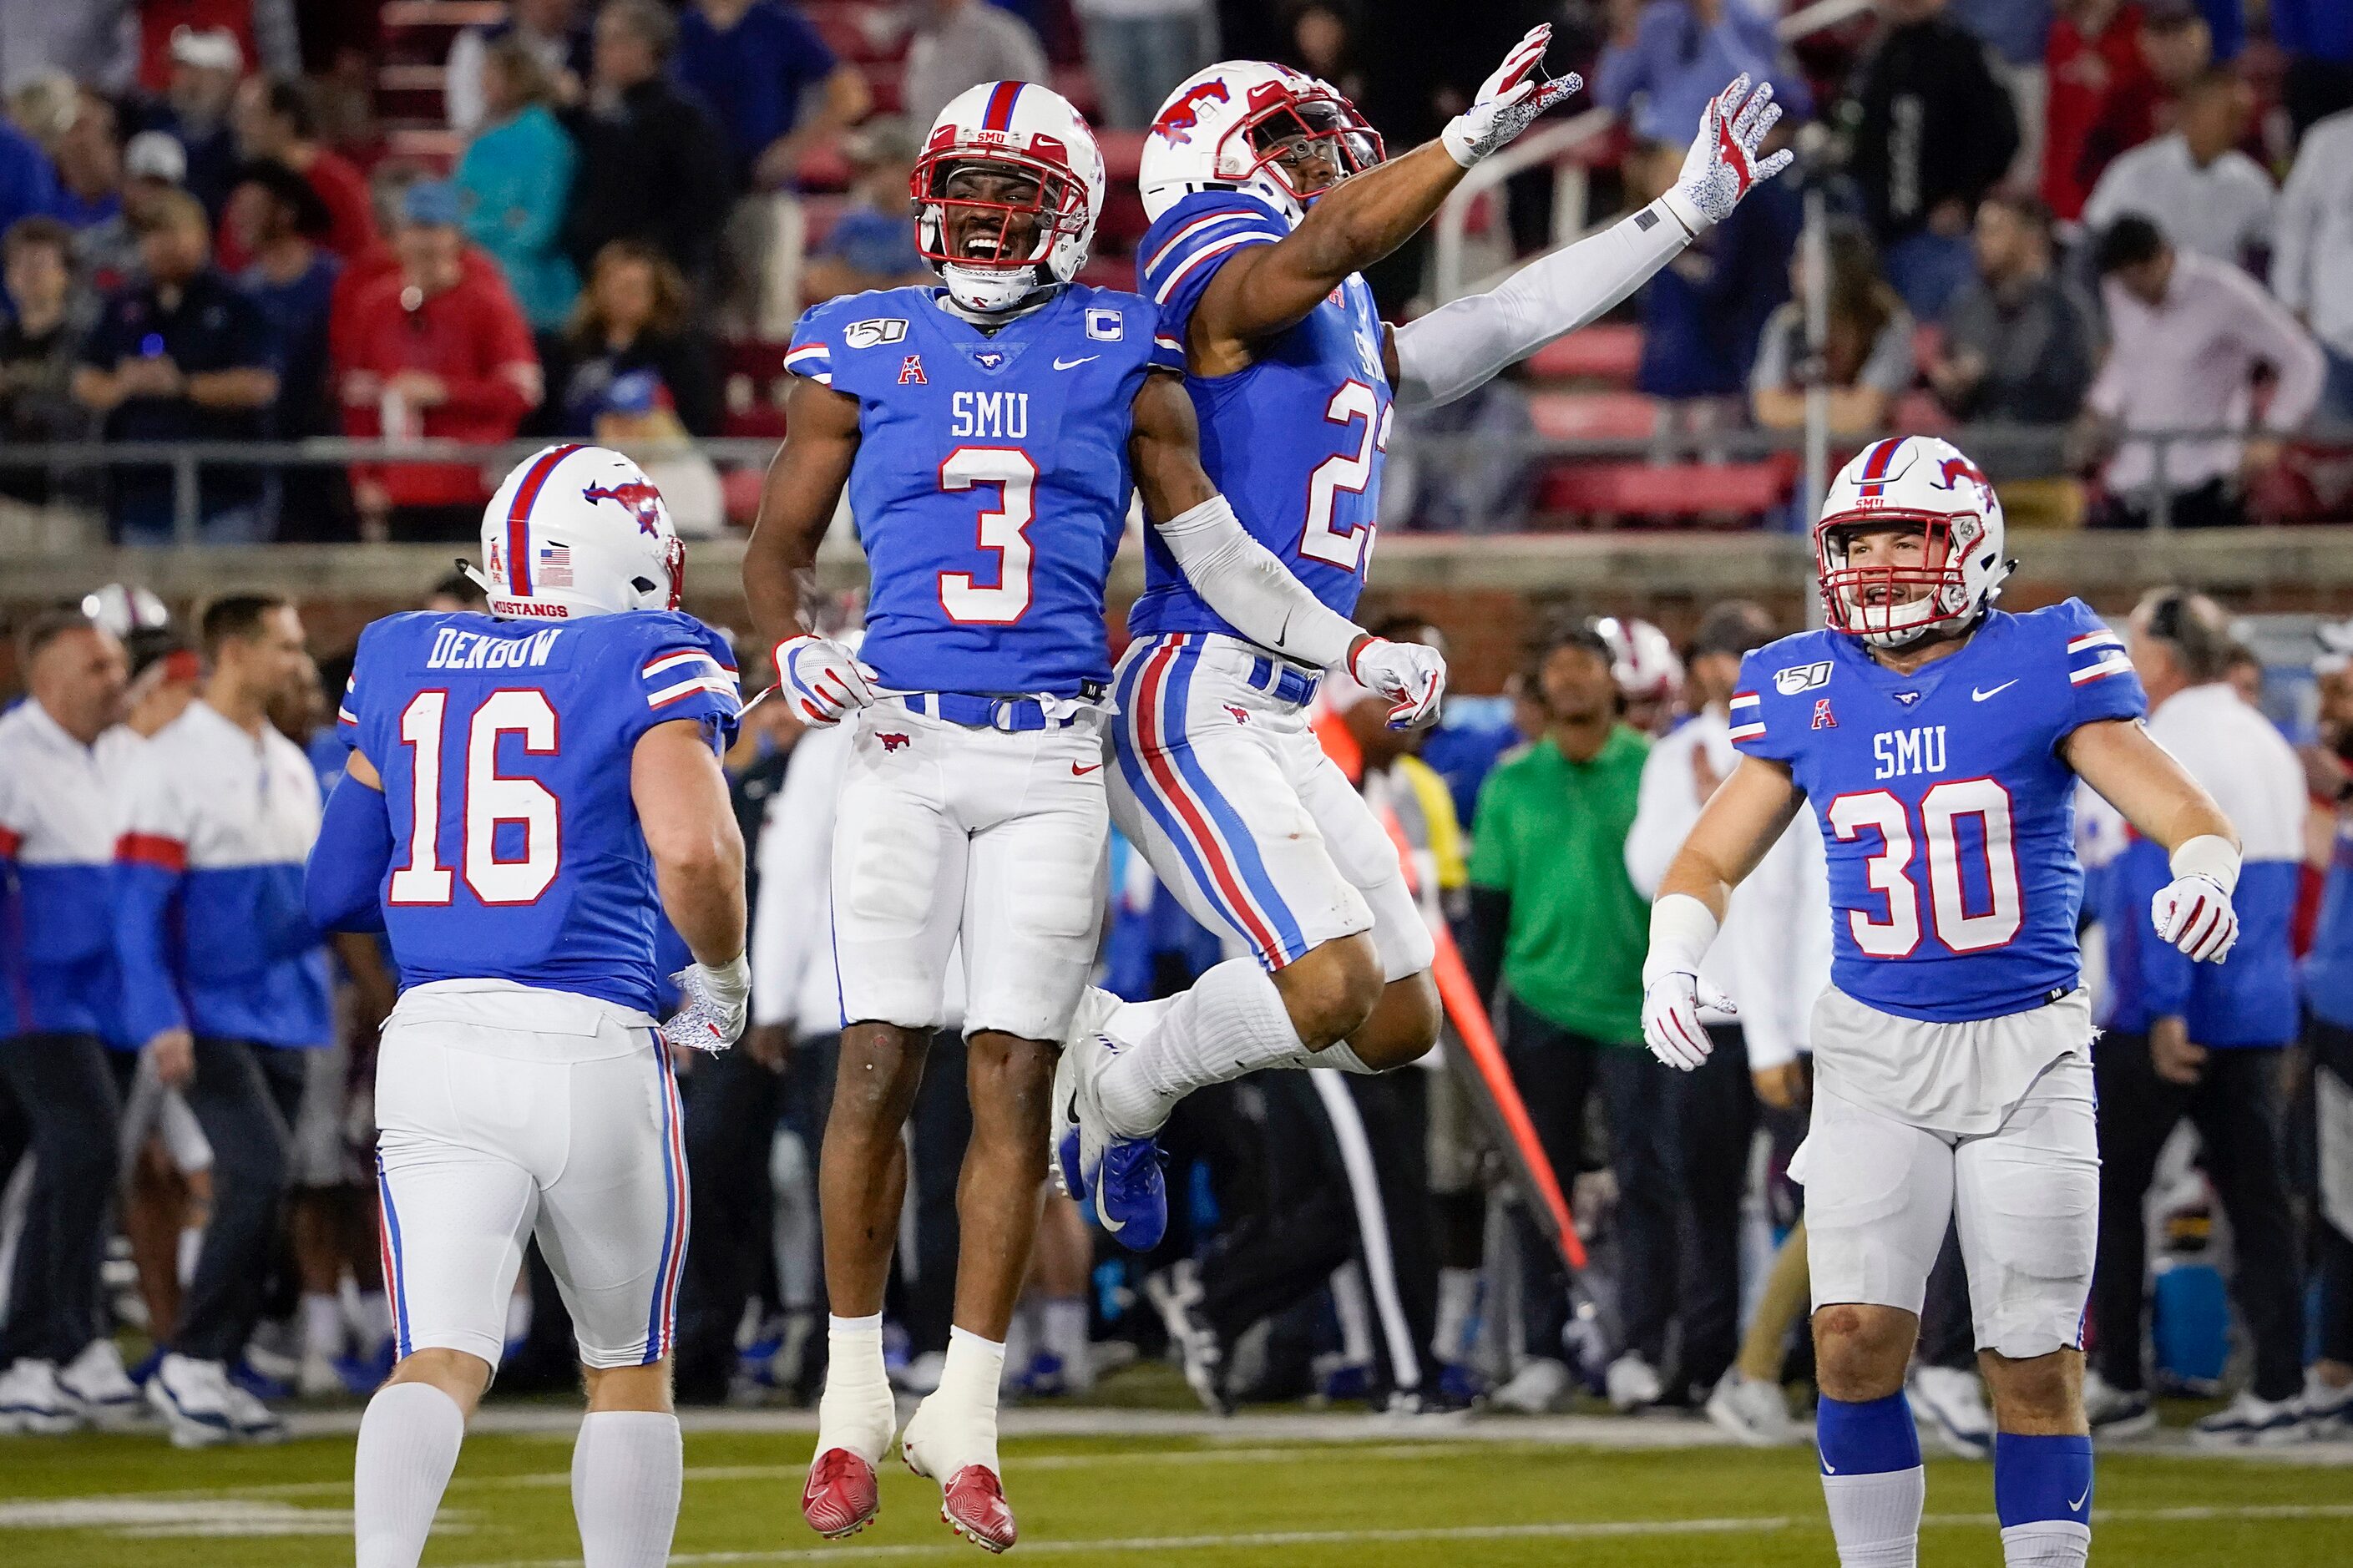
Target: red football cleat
[(841, 1497), (973, 1505)]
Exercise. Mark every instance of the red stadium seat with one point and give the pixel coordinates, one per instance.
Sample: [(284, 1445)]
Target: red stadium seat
[(1654, 492), (1607, 353), (1594, 415), (824, 169), (740, 488), (755, 387), (1122, 153)]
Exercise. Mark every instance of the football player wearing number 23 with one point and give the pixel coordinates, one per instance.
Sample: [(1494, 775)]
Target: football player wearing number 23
[(988, 433), (1939, 741)]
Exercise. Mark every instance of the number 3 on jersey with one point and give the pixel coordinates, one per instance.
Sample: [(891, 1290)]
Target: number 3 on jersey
[(1320, 540), (490, 800), (1003, 532), (1888, 873)]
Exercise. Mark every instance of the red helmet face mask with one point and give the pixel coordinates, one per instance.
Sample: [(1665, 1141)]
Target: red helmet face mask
[(1893, 597), (1282, 132), (674, 562), (1056, 205)]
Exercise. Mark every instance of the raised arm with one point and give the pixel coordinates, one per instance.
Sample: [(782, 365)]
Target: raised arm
[(818, 675), (1439, 357), (1245, 582), (1265, 289), (1739, 824)]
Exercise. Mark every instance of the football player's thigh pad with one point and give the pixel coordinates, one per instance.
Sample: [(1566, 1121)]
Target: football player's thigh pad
[(465, 1138), (2028, 1201), (1366, 855), (1879, 1195), (898, 873), (1225, 829), (1034, 889), (613, 1224)]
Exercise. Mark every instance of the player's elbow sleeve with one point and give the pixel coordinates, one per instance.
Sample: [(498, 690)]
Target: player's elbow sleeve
[(349, 860)]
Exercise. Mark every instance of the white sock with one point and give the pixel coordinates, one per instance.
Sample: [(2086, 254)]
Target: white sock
[(1064, 1325), (628, 1468), (1231, 1023), (957, 1422), (1458, 1299), (322, 1325), (1875, 1518), (2046, 1543), (407, 1446), (855, 1412)]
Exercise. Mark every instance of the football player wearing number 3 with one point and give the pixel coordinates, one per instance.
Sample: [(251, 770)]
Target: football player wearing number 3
[(1939, 741), (1269, 192), (988, 433), (530, 792)]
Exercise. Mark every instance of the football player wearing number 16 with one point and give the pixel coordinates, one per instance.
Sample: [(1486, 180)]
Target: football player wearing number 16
[(989, 433), (1938, 740), (1268, 193), (530, 792)]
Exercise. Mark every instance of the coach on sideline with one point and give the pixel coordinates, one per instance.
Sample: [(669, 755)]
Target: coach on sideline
[(222, 977), (2206, 1045), (57, 999)]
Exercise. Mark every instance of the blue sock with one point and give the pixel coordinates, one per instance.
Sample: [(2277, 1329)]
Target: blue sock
[(2041, 1480), (1870, 1439)]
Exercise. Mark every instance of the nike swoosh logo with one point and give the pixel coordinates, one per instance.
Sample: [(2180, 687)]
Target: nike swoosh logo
[(1075, 363), (1829, 1468), (2077, 1506), (1078, 773), (1977, 696)]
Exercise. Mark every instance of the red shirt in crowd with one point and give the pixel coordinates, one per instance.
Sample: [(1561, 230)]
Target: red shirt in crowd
[(2103, 102), (473, 339), (350, 219)]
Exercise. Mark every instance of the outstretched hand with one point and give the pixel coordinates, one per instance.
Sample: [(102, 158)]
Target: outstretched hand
[(1509, 100), (1722, 166)]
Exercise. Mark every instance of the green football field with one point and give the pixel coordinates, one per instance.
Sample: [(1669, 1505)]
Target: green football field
[(1325, 1491)]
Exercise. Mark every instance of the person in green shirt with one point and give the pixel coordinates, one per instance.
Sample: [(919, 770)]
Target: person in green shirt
[(1554, 919)]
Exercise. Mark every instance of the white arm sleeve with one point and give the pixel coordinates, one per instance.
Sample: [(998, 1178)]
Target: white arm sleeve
[(1456, 347), (1247, 584), (790, 923)]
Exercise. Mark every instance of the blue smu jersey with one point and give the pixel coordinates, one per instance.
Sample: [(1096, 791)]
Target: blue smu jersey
[(1294, 439), (504, 748), (991, 483), (1948, 815)]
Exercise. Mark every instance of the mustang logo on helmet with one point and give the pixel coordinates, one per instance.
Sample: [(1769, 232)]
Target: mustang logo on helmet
[(1177, 121), (638, 495)]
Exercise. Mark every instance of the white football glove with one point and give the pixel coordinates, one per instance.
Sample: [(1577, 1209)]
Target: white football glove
[(711, 1005), (1671, 1024), (2194, 914), (1508, 101), (1722, 166), (823, 679), (1410, 675)]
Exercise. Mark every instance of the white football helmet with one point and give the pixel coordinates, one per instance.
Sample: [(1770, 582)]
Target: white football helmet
[(1911, 481), (1020, 128), (578, 530), (1238, 125), (1641, 660)]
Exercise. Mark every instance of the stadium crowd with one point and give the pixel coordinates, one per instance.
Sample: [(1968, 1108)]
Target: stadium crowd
[(236, 219), (217, 228), (186, 1112)]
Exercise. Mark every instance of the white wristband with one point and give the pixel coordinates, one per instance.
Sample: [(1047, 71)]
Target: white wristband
[(2209, 856), (1682, 927)]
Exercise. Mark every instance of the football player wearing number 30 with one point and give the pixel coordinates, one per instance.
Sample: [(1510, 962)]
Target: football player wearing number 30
[(988, 433), (1939, 741), (1269, 192)]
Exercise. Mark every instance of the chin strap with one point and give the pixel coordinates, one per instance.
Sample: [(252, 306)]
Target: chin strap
[(473, 574), (1040, 296)]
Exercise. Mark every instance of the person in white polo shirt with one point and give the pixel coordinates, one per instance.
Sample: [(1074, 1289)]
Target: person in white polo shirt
[(2201, 190), (2187, 336)]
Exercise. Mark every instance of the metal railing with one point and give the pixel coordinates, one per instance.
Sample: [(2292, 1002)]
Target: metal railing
[(2008, 452)]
